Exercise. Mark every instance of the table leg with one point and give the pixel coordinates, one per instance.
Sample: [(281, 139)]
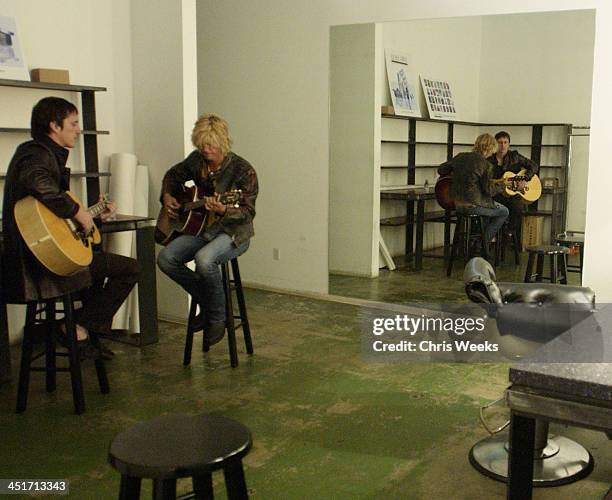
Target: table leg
[(409, 230), (147, 285), (520, 458), (420, 222), (5, 353)]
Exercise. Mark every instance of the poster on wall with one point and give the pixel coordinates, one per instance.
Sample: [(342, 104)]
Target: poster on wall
[(440, 99), (12, 62), (401, 84)]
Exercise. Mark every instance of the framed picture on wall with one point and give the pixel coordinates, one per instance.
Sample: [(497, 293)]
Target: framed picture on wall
[(402, 84), (439, 98), (12, 61)]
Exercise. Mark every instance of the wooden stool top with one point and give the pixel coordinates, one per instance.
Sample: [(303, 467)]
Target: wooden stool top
[(175, 446), (548, 249)]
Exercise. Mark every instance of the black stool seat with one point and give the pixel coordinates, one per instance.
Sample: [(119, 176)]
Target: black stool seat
[(548, 249), (175, 446)]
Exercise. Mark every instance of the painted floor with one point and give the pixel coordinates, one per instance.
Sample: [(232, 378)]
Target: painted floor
[(326, 425)]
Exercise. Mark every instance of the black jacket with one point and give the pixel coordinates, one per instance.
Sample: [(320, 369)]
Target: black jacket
[(513, 162), (38, 168)]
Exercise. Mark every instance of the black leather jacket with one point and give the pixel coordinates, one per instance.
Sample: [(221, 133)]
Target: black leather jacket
[(38, 168)]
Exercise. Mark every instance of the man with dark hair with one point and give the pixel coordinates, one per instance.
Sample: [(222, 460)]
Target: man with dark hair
[(38, 168), (507, 160)]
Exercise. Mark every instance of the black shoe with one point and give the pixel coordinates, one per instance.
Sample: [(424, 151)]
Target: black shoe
[(214, 333), (197, 323)]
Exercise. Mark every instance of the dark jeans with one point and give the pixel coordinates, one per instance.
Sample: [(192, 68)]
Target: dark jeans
[(516, 208), (113, 278), (495, 218), (204, 284)]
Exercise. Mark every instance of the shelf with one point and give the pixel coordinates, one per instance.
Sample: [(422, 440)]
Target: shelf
[(50, 86), (77, 174), (476, 124), (402, 220), (27, 131), (406, 166), (469, 144)]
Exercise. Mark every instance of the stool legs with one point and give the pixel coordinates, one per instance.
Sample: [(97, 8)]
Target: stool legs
[(50, 361), (203, 487), (189, 338), (244, 320), (129, 488), (554, 269), (99, 364), (73, 355), (235, 483), (529, 270), (229, 316), (539, 267), (563, 269), (164, 489), (26, 358)]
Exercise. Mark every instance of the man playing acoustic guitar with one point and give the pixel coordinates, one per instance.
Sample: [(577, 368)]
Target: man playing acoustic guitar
[(214, 169), (38, 168), (507, 160)]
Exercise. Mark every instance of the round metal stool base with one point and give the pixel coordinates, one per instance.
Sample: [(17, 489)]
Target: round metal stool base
[(571, 463)]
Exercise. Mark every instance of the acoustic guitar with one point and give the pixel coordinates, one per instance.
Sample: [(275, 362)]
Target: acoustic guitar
[(192, 218), (529, 193), (58, 244)]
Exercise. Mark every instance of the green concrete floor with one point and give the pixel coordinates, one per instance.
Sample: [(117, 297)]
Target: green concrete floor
[(325, 424)]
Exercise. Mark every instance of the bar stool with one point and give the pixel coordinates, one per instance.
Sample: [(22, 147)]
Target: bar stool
[(39, 330), (175, 446), (558, 264), (507, 236), (465, 238), (229, 283)]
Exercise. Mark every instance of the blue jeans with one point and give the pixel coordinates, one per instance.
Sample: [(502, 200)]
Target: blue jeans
[(496, 218), (205, 284)]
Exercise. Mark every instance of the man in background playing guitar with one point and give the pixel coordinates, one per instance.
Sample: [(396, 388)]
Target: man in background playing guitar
[(473, 186), (507, 160), (38, 168), (215, 169)]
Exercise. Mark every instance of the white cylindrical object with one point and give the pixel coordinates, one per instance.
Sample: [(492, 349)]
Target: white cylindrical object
[(141, 208), (122, 188)]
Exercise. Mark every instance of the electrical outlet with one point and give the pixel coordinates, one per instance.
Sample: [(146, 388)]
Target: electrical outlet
[(275, 254)]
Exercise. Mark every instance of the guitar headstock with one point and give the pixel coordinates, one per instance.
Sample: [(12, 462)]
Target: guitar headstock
[(231, 198)]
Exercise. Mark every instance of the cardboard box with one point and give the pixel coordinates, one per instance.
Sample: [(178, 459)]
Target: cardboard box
[(533, 229), (50, 75), (387, 110)]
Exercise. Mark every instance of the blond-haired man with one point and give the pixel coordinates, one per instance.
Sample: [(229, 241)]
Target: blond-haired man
[(215, 169), (473, 186)]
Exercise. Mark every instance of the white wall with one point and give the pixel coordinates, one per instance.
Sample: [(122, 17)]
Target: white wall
[(165, 105), (264, 65), (91, 39), (353, 176), (544, 64)]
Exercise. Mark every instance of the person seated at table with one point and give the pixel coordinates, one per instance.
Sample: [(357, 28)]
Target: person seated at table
[(38, 169), (473, 186), (507, 160)]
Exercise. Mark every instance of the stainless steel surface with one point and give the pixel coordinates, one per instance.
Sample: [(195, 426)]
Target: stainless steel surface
[(565, 461)]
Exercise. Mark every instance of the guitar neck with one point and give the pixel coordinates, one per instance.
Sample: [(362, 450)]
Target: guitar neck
[(97, 209)]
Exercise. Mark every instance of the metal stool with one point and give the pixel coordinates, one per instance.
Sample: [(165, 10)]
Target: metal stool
[(229, 283), (558, 264), (465, 238), (175, 446), (506, 236), (39, 330)]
